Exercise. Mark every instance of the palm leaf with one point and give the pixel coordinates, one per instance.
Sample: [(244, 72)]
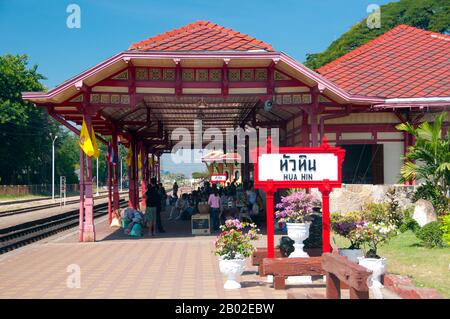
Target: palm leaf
[(406, 127)]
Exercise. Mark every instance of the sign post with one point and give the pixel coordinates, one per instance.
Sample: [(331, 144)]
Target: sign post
[(298, 167)]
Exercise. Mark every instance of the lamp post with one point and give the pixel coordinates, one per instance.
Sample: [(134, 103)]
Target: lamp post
[(53, 164), (96, 177)]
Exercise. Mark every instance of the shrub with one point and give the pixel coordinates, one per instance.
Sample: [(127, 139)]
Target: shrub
[(372, 235), (235, 240), (295, 207), (315, 231), (286, 246), (431, 235), (345, 224), (409, 224), (446, 229), (385, 213)]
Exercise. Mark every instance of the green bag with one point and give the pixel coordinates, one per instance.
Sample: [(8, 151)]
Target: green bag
[(136, 231)]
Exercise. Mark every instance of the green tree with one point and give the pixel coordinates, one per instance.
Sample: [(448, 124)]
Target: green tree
[(26, 147), (198, 175), (429, 158), (25, 150), (431, 15), (67, 157)]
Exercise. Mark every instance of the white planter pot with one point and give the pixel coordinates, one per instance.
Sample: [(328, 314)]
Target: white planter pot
[(232, 268), (351, 254), (378, 268), (298, 232)]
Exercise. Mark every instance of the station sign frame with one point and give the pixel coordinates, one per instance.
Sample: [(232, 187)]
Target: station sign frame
[(299, 158)]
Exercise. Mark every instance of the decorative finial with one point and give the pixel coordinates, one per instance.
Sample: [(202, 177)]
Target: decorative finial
[(325, 141)]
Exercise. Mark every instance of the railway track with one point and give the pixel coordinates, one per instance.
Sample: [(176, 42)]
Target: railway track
[(23, 201), (39, 207), (29, 232)]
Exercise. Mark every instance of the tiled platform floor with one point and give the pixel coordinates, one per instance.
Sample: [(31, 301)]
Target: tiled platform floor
[(171, 265)]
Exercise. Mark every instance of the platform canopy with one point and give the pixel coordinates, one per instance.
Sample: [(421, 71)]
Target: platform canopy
[(200, 71)]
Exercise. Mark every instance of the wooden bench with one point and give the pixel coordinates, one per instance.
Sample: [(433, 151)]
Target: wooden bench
[(281, 268), (339, 270), (261, 253)]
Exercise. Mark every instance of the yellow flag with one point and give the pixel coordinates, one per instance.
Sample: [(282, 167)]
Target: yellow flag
[(85, 141), (139, 161), (94, 144), (129, 157)]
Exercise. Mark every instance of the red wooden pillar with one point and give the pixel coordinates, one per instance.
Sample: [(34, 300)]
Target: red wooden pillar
[(109, 184), (132, 175), (326, 248), (313, 118), (269, 190), (270, 223), (115, 176), (147, 167), (88, 227), (81, 221), (136, 174), (144, 175), (305, 129)]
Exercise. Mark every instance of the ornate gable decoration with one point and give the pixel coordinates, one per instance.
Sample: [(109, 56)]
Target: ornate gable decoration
[(121, 76)]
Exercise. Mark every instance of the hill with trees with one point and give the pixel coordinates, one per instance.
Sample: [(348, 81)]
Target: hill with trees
[(433, 15)]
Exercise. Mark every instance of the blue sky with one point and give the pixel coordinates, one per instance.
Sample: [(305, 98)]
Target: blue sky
[(38, 27)]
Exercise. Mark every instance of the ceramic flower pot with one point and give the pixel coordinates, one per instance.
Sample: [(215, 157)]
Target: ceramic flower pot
[(378, 268), (232, 268), (351, 254), (298, 232)]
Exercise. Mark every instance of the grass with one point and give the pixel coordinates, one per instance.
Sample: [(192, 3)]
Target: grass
[(428, 268), (19, 197)]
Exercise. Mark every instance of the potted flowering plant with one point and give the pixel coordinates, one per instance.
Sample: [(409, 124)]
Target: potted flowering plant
[(232, 246), (345, 225), (294, 210), (372, 235)]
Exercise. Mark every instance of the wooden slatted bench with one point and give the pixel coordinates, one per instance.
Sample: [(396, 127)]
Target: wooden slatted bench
[(339, 270), (281, 268), (261, 253)]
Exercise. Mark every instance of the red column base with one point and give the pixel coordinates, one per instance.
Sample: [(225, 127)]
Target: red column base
[(88, 236), (88, 233)]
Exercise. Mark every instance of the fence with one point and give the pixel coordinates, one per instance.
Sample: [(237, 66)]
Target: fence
[(40, 189)]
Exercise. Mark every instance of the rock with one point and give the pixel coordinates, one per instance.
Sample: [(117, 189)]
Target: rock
[(424, 212)]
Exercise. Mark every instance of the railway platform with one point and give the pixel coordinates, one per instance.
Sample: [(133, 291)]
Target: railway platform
[(171, 265)]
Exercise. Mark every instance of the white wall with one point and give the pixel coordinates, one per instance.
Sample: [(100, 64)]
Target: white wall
[(392, 153)]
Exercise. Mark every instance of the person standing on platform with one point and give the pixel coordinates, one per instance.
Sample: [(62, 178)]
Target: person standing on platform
[(159, 226), (175, 189), (162, 195), (214, 204), (152, 200)]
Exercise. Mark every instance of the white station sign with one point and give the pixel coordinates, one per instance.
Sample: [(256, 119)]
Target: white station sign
[(218, 178), (298, 167)]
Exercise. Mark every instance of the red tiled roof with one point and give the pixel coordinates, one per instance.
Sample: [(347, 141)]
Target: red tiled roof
[(201, 36), (405, 62)]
